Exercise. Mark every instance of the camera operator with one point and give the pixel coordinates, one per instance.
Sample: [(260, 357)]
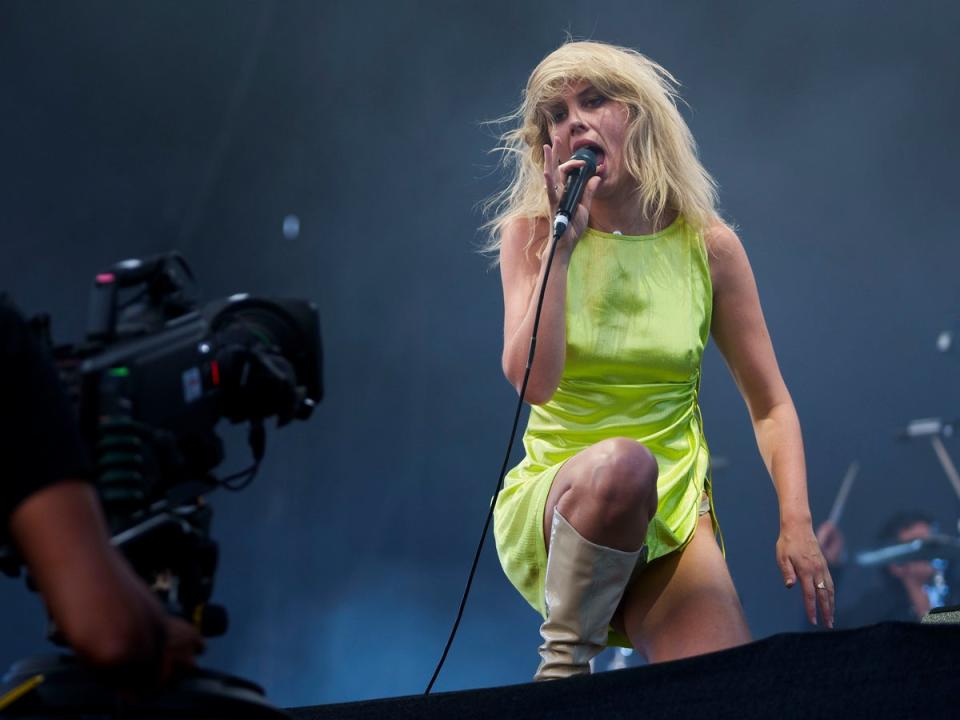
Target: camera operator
[(52, 515)]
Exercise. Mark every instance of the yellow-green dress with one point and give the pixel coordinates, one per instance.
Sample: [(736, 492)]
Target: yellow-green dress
[(637, 321)]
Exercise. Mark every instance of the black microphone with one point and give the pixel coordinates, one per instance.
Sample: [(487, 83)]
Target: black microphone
[(576, 182)]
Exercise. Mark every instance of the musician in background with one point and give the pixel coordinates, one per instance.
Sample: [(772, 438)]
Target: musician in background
[(908, 590)]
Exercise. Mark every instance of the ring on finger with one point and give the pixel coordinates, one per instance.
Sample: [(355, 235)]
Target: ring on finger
[(821, 585)]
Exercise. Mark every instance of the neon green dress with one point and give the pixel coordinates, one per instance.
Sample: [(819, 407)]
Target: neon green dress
[(637, 321)]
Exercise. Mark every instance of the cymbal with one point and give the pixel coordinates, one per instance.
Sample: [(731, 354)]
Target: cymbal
[(935, 546)]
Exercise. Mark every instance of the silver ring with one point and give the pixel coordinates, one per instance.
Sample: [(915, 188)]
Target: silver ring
[(821, 585)]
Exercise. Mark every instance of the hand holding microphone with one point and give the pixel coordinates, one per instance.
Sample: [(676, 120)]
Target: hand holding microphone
[(571, 209)]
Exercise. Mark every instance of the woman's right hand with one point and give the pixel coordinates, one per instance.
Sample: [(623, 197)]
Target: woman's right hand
[(555, 176), (522, 269)]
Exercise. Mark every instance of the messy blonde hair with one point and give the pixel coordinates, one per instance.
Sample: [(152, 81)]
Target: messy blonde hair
[(660, 152)]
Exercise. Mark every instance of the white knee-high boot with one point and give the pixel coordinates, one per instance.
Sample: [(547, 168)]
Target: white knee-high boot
[(583, 586)]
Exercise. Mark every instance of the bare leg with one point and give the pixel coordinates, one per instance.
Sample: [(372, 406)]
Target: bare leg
[(685, 603), (595, 521), (607, 492)]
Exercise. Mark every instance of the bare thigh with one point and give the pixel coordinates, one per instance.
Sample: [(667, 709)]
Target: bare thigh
[(684, 604)]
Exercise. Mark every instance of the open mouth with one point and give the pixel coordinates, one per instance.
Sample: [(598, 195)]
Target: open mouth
[(601, 156)]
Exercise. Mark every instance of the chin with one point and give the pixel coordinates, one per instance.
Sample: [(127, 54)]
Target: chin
[(606, 188)]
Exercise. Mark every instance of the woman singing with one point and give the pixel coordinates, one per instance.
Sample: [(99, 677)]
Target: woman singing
[(607, 526)]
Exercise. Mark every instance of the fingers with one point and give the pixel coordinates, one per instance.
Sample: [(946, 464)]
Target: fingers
[(801, 561), (826, 597), (184, 643), (588, 192), (560, 149), (818, 590), (809, 598), (551, 171), (791, 576), (819, 572), (550, 176), (555, 172), (786, 568)]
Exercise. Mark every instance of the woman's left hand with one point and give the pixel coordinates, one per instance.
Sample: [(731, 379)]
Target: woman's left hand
[(801, 561)]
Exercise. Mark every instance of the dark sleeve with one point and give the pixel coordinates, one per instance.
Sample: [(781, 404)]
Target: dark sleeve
[(40, 443), (883, 603)]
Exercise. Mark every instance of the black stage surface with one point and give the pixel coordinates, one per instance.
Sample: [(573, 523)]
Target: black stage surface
[(891, 670)]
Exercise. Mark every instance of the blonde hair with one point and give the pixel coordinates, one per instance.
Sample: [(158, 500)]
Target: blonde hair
[(660, 152)]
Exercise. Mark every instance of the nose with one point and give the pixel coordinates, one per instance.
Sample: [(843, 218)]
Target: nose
[(576, 121)]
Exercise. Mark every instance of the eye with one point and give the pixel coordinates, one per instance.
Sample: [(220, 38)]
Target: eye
[(557, 116), (595, 101)]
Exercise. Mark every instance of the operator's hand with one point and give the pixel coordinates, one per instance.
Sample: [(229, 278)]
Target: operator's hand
[(183, 644)]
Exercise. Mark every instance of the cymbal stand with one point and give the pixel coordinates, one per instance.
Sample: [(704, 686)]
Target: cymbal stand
[(946, 463)]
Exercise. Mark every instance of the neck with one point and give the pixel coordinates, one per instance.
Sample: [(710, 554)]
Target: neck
[(627, 218)]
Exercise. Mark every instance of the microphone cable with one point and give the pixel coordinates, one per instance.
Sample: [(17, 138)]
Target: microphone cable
[(558, 232)]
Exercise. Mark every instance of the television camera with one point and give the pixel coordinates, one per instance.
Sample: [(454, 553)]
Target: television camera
[(150, 382)]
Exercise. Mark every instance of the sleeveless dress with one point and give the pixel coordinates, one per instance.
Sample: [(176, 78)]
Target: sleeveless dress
[(637, 321)]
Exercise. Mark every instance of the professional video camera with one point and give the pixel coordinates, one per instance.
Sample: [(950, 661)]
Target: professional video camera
[(152, 379)]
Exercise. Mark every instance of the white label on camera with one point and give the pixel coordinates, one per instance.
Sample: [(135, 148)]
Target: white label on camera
[(192, 384)]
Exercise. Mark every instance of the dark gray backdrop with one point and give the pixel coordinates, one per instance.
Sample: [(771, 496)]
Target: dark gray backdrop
[(130, 128)]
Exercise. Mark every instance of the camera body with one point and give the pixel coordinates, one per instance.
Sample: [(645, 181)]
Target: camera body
[(150, 382)]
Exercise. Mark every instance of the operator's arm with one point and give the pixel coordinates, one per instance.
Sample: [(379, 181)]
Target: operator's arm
[(53, 516), (102, 608)]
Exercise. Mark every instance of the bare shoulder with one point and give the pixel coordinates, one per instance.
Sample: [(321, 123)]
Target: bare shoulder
[(521, 242), (726, 253), (721, 240)]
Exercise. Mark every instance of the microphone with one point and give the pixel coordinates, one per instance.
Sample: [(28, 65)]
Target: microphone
[(576, 182), (926, 427)]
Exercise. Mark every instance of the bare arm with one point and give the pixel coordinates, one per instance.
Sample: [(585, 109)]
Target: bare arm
[(522, 267), (103, 609), (741, 335), (522, 273)]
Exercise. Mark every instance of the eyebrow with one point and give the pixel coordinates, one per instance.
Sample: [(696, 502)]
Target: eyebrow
[(556, 102)]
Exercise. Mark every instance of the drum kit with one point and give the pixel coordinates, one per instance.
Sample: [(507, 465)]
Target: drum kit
[(937, 549)]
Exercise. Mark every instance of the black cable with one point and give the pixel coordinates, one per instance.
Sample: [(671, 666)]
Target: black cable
[(248, 475), (506, 460), (258, 445)]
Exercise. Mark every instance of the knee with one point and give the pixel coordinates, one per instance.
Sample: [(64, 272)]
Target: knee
[(625, 477)]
